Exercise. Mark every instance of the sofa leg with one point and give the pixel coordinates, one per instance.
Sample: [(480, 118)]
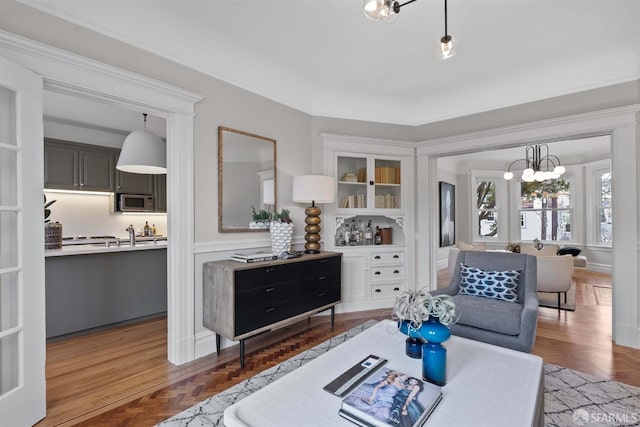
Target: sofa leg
[(565, 297), (558, 302)]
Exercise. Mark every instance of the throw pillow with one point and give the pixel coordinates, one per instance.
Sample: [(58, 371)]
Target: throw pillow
[(569, 251), (500, 285)]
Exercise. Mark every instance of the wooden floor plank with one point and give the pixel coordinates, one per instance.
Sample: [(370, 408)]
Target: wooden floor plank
[(121, 377)]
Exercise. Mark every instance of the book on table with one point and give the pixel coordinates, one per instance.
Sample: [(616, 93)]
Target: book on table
[(252, 255), (390, 398), (254, 259)]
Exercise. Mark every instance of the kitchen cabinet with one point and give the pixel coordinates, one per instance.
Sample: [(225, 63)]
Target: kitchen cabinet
[(133, 183), (73, 166), (243, 300), (93, 290), (160, 193)]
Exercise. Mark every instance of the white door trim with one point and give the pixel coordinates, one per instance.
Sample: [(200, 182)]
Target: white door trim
[(622, 124), (65, 70)]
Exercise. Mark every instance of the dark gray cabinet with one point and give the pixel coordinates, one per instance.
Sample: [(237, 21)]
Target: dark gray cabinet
[(76, 166), (160, 193), (243, 300), (72, 166), (133, 183)]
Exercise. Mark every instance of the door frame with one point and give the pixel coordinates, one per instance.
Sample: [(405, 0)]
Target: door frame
[(62, 70), (622, 125)]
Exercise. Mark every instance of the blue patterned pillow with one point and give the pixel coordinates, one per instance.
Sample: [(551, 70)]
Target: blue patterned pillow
[(500, 285)]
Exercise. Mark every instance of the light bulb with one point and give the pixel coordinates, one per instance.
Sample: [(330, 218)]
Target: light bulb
[(554, 175), (528, 178), (527, 172), (559, 170), (508, 175), (448, 47), (373, 9), (538, 176)]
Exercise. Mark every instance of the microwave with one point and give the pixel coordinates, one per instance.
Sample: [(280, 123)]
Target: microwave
[(135, 203)]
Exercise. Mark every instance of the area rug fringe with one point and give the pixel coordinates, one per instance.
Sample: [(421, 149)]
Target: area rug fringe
[(572, 398)]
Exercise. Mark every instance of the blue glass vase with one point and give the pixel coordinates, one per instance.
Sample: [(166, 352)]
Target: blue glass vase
[(413, 344), (434, 355)]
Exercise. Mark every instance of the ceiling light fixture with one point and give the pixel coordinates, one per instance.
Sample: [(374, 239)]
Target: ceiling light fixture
[(448, 43), (143, 152), (383, 10), (388, 10), (538, 166)]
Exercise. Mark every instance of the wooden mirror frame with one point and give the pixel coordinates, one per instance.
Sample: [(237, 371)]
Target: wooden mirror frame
[(221, 226)]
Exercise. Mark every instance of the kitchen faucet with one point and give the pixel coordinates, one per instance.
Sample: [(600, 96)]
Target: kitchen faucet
[(132, 235)]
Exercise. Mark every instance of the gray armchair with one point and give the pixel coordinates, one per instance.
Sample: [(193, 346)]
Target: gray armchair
[(502, 323)]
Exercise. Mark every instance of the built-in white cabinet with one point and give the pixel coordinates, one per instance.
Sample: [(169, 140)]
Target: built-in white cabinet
[(374, 185)]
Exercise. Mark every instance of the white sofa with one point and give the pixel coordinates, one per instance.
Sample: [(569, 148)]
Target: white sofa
[(550, 249)]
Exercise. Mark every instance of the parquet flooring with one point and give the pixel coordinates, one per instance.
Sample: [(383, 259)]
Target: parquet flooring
[(121, 377)]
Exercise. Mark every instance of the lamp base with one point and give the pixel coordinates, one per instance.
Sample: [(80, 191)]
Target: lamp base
[(312, 229)]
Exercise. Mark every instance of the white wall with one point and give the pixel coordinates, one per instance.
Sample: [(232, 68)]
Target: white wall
[(90, 215)]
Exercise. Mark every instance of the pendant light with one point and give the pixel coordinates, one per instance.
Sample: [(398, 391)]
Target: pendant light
[(448, 43), (143, 152)]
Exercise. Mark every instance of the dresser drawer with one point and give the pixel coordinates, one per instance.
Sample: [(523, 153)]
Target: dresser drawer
[(260, 314), (247, 302), (254, 278), (394, 272), (310, 285), (321, 266), (396, 257), (386, 291), (319, 298)]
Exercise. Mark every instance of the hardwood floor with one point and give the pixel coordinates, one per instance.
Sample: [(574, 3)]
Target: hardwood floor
[(121, 377)]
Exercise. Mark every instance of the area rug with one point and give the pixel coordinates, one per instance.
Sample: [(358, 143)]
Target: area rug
[(572, 398), (546, 299)]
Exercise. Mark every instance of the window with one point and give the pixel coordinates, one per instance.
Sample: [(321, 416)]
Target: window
[(545, 210), (486, 208), (604, 207)]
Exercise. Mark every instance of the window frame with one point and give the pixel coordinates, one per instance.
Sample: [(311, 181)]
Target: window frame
[(571, 210), (593, 174), (501, 208)]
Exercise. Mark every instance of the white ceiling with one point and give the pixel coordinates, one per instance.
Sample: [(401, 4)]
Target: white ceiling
[(325, 58)]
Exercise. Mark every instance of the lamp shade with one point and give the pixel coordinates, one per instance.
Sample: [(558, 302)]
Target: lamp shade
[(314, 188), (143, 152), (268, 193)]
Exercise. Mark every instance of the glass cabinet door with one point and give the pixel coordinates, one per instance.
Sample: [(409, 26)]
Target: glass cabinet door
[(352, 180), (387, 184)]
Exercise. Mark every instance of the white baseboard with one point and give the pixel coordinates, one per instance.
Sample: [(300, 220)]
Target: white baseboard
[(600, 268)]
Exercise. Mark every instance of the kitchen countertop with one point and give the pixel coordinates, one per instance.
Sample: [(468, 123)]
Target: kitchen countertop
[(98, 248)]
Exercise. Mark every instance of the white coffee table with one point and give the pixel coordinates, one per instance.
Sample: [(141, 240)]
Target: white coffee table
[(486, 385)]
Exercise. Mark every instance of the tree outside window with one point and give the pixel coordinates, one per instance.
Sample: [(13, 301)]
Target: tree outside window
[(546, 207), (604, 209), (486, 208)]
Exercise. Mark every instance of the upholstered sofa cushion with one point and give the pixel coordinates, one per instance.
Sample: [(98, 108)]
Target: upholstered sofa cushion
[(504, 316), (467, 247), (547, 250), (500, 285)]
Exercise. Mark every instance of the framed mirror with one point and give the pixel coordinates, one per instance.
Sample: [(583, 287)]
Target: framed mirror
[(247, 181)]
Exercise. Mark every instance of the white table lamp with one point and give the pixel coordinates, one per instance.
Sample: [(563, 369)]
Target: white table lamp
[(313, 189)]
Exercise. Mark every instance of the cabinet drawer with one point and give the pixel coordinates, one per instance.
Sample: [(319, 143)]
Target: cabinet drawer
[(310, 285), (321, 266), (255, 299), (264, 314), (254, 278), (387, 273), (319, 298), (386, 291), (386, 257)]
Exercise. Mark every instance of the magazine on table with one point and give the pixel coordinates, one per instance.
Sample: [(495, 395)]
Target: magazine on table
[(267, 258), (253, 255), (391, 398)]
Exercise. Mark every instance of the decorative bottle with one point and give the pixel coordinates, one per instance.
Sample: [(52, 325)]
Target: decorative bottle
[(368, 234)]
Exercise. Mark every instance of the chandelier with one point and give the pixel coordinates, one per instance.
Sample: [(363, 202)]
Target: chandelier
[(388, 10), (540, 165)]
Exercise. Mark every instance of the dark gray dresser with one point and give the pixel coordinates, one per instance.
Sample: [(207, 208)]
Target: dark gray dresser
[(245, 299)]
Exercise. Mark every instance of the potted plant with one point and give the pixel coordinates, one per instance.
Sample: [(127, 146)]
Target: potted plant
[(425, 318), (260, 219), (281, 229), (52, 230)]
